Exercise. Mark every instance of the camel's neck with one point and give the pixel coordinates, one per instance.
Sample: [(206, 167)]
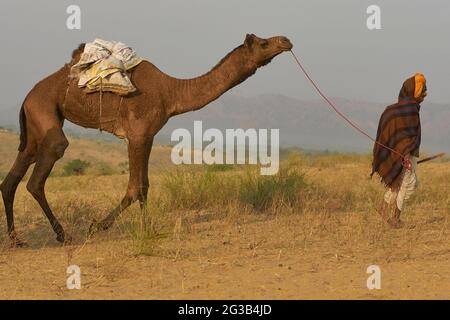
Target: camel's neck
[(194, 94)]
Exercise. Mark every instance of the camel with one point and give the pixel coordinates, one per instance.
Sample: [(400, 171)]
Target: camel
[(136, 117)]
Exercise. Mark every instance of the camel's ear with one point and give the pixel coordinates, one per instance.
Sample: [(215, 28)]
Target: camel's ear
[(249, 39)]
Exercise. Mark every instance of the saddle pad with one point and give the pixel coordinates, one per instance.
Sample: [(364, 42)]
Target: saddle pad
[(103, 66)]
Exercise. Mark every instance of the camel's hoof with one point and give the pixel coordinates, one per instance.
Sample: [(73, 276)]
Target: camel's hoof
[(98, 226), (64, 238), (60, 238), (17, 243)]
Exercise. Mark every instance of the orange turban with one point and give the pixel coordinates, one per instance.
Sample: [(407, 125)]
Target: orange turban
[(420, 84)]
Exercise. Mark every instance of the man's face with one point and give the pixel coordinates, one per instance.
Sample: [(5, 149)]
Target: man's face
[(422, 96)]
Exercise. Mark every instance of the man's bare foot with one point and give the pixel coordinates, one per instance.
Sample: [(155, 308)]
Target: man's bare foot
[(382, 211), (395, 221)]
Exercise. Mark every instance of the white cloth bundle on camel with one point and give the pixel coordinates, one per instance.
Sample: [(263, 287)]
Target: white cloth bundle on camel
[(103, 66)]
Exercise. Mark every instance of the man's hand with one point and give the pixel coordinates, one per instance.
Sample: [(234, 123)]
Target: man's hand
[(407, 162)]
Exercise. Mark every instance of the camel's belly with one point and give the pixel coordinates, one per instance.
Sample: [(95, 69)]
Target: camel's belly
[(92, 110)]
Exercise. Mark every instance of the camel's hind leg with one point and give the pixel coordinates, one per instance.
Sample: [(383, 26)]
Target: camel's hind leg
[(9, 186), (51, 149)]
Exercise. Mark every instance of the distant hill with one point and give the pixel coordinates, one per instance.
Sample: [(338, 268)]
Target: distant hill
[(303, 124), (9, 118), (312, 124)]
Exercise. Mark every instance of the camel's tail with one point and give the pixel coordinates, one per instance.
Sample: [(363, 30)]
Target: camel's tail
[(23, 129)]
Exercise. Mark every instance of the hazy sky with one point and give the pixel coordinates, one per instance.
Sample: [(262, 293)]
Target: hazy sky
[(185, 38)]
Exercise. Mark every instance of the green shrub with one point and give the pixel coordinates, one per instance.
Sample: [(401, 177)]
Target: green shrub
[(75, 167), (262, 192), (200, 190), (196, 190)]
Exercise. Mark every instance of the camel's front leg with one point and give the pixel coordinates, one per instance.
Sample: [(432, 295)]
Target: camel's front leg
[(138, 155), (145, 183)]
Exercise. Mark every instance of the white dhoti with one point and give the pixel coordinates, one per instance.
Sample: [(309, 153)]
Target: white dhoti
[(408, 186)]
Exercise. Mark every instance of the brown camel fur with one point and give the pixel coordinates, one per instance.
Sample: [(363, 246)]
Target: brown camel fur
[(136, 117)]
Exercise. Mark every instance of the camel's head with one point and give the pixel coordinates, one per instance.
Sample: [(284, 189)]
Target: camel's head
[(264, 50)]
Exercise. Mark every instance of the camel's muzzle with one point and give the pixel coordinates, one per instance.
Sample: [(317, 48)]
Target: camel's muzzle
[(284, 43)]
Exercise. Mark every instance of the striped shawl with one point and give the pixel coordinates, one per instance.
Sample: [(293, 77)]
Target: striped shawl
[(399, 129)]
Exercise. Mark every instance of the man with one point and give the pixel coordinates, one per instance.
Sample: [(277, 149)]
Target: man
[(399, 129)]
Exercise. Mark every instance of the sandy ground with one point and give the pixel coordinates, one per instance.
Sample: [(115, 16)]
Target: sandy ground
[(252, 257)]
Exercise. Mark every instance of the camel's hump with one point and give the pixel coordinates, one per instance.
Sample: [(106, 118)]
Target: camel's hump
[(76, 54)]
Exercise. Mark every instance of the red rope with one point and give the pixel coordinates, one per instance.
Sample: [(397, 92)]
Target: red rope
[(405, 161)]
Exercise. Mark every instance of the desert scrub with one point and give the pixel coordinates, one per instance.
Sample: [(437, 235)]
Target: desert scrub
[(76, 214), (147, 228), (263, 192), (434, 186), (197, 190), (201, 190), (219, 167), (336, 191), (334, 159), (75, 167)]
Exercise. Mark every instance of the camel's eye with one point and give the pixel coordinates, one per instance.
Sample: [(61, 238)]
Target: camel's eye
[(264, 44)]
